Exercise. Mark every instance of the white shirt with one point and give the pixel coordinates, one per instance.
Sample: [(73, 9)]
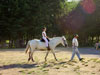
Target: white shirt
[(75, 42), (43, 34)]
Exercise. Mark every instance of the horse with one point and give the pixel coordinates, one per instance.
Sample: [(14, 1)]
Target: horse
[(36, 44)]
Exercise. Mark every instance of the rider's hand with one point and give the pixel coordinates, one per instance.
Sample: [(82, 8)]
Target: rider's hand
[(46, 36)]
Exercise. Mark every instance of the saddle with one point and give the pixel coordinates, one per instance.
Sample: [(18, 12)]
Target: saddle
[(42, 40)]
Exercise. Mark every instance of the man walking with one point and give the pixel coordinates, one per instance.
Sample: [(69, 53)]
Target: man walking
[(75, 45)]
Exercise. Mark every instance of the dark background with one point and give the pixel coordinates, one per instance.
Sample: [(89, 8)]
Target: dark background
[(23, 20)]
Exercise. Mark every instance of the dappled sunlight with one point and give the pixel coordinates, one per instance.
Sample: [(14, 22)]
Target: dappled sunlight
[(76, 19), (22, 23), (18, 65)]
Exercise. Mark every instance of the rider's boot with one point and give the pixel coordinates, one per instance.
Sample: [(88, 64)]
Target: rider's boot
[(48, 47)]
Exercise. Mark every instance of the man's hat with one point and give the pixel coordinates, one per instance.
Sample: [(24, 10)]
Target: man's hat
[(76, 35)]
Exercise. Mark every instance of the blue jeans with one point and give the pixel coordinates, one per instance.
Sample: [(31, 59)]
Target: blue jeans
[(75, 51)]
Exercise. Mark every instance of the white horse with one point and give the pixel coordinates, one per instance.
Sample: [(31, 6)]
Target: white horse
[(35, 44)]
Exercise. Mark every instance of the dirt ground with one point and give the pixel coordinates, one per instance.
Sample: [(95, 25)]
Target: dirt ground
[(14, 62)]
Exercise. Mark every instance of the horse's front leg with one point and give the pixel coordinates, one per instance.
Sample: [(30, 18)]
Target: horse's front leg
[(54, 54), (46, 56)]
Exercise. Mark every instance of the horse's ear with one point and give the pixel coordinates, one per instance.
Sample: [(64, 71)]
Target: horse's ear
[(64, 37)]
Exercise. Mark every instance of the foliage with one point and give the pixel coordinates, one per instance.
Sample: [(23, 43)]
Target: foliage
[(24, 19)]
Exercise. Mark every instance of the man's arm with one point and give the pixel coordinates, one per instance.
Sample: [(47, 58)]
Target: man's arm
[(73, 43)]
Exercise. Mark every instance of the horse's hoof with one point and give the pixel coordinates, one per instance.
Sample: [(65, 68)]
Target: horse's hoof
[(45, 60), (28, 59), (32, 60)]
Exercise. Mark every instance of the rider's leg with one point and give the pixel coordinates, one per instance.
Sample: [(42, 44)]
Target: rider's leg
[(46, 41)]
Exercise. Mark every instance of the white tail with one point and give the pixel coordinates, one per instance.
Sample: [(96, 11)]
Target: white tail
[(27, 47)]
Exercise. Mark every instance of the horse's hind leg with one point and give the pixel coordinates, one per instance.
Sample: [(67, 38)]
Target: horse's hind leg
[(29, 56), (32, 56), (54, 55), (32, 59)]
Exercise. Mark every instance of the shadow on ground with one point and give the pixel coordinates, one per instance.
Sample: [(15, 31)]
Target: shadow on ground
[(18, 66)]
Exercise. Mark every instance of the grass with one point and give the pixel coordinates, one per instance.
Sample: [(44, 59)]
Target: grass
[(70, 63), (45, 70), (36, 59), (78, 73), (23, 71), (31, 72), (57, 67), (92, 73), (94, 59), (98, 61), (64, 66), (86, 65), (51, 67), (76, 68)]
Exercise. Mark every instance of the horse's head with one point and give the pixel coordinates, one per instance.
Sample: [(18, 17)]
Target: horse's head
[(64, 41)]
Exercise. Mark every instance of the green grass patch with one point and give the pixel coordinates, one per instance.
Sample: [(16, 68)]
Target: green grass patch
[(78, 73), (57, 67), (86, 65), (30, 72), (45, 70), (94, 59), (89, 60), (98, 61), (70, 63), (76, 68), (92, 73), (44, 65), (36, 59), (23, 71), (64, 66)]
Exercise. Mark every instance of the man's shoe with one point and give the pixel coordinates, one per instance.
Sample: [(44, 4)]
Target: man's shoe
[(81, 59)]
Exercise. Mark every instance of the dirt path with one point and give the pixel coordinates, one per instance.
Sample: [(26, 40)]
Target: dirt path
[(14, 62), (87, 52)]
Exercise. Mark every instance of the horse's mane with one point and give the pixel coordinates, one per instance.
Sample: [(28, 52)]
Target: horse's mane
[(55, 38)]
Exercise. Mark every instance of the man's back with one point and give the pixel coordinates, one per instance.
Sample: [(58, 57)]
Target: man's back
[(75, 42)]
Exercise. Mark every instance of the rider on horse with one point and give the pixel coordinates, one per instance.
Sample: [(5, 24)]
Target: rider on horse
[(45, 38)]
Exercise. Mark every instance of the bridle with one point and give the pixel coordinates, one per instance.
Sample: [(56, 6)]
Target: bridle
[(64, 41)]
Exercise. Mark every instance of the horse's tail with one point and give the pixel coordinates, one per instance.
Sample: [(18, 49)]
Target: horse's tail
[(27, 47)]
